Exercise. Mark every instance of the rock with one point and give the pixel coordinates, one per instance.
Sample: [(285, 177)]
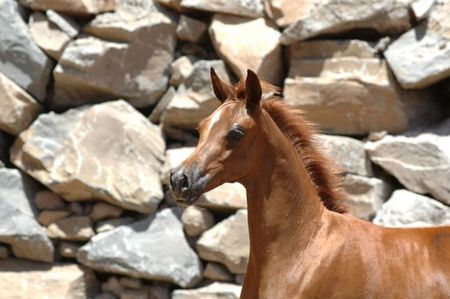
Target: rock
[(48, 36), (133, 64), (195, 98), (385, 17), (407, 209), (48, 217), (154, 248), (134, 294), (181, 68), (75, 228), (64, 23), (23, 280), (248, 44), (286, 12), (245, 8), (348, 153), (76, 7), (217, 272), (19, 109), (155, 116), (365, 195), (4, 252), (421, 9), (421, 163), (80, 159), (48, 200), (107, 225), (105, 295), (5, 141), (130, 283), (113, 286), (347, 90), (189, 29), (18, 225), (227, 242), (225, 198), (68, 249), (215, 290), (76, 208), (158, 292), (421, 56), (172, 4), (103, 210), (196, 220), (20, 59)]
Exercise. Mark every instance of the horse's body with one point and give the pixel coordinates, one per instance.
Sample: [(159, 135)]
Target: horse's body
[(302, 243)]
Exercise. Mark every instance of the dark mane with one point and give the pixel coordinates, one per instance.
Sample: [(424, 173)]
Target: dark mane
[(301, 134)]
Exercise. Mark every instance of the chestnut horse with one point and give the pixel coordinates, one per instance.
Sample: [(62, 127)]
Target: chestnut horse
[(303, 244)]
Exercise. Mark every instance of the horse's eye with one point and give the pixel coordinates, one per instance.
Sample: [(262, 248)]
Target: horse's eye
[(235, 135)]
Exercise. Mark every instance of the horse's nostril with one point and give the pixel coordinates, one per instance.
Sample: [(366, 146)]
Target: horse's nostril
[(184, 182)]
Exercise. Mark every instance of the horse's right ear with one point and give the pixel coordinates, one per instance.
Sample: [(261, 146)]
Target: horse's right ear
[(221, 89)]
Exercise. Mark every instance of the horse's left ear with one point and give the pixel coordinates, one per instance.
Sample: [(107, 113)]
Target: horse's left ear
[(253, 90)]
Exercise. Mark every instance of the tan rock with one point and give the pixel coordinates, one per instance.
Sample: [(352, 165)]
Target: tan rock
[(130, 283), (68, 249), (180, 69), (227, 243), (215, 290), (75, 228), (4, 252), (134, 294), (248, 44), (47, 35), (189, 29), (158, 292), (196, 220), (226, 197), (23, 280), (113, 286), (103, 210), (18, 108), (83, 160), (155, 116), (245, 8), (286, 12), (48, 200), (107, 225), (173, 4), (48, 217), (217, 272), (71, 6)]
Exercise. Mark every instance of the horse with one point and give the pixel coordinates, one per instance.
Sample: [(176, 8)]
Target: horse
[(303, 242)]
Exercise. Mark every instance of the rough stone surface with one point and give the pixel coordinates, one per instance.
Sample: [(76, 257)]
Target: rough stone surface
[(23, 280), (107, 225), (154, 248), (74, 155), (18, 108), (190, 30), (113, 286), (181, 68), (422, 8), (77, 7), (64, 23), (48, 36), (68, 249), (217, 272), (75, 228), (421, 163), (195, 98), (48, 217), (406, 208), (18, 225), (286, 12), (226, 197), (158, 292), (4, 252), (216, 290), (348, 154), (346, 89), (248, 44), (20, 59), (365, 195), (48, 200), (130, 283), (155, 116), (103, 210), (245, 8), (133, 64), (227, 242), (335, 16), (421, 56), (196, 220)]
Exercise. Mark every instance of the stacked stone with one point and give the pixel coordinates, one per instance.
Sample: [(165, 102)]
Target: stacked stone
[(100, 99)]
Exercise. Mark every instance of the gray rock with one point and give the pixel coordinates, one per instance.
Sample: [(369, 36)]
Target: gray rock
[(76, 7), (75, 155), (422, 8), (20, 58), (216, 290), (407, 209), (154, 248), (227, 243), (384, 16), (421, 56), (217, 272), (107, 225), (189, 29), (18, 225), (245, 8), (66, 24), (180, 69)]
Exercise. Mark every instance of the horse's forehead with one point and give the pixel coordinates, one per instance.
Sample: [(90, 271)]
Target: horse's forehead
[(223, 116)]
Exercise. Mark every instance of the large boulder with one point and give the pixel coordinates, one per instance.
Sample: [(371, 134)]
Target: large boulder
[(407, 209), (154, 248), (421, 56), (286, 12), (335, 16), (18, 224), (248, 44), (23, 280), (215, 290), (128, 58), (18, 110), (346, 89), (421, 162), (227, 243), (245, 8), (77, 7), (77, 155), (21, 60)]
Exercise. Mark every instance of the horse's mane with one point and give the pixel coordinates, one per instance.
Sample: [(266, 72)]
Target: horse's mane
[(301, 134)]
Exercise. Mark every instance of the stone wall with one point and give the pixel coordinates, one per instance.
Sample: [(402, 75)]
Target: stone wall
[(100, 99)]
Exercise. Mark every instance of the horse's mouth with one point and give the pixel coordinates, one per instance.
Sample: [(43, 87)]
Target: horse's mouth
[(186, 199)]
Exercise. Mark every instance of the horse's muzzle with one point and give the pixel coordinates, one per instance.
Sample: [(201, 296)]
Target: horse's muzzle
[(186, 184)]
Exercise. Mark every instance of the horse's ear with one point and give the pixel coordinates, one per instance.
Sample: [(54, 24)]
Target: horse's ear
[(221, 89), (253, 90)]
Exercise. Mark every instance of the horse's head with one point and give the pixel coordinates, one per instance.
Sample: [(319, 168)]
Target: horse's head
[(227, 138)]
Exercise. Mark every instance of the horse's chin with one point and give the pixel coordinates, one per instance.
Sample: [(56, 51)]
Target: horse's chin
[(187, 201)]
